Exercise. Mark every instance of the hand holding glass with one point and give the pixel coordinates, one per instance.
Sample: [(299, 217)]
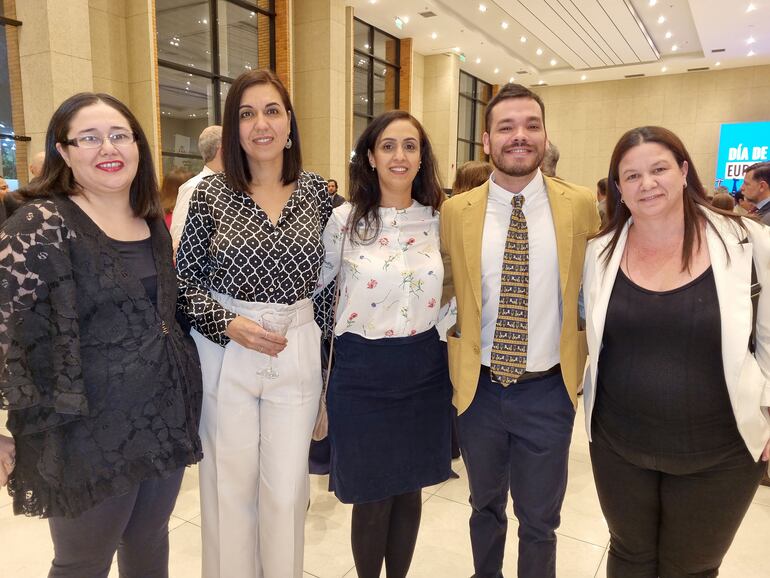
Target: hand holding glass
[(277, 323)]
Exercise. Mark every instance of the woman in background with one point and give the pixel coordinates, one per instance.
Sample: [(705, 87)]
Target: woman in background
[(678, 385), (102, 386), (251, 250), (169, 190), (389, 395)]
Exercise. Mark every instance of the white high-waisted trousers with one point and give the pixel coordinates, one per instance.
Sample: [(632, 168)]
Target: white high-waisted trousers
[(256, 436)]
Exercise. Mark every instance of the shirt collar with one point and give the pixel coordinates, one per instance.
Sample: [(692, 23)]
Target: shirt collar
[(534, 189), (762, 203)]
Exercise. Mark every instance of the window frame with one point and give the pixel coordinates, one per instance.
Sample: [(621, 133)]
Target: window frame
[(476, 103), (215, 77)]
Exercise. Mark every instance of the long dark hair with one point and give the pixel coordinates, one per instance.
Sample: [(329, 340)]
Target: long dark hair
[(694, 196), (237, 173), (57, 178), (365, 194)]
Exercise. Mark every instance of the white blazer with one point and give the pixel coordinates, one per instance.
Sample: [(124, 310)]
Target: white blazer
[(747, 376)]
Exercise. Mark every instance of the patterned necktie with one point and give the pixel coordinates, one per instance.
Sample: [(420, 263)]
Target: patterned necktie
[(509, 347)]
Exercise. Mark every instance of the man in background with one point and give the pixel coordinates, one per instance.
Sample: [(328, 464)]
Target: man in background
[(337, 199), (36, 165), (601, 200), (210, 148), (756, 188)]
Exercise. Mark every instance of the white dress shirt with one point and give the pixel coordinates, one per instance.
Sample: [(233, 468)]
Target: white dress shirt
[(179, 216), (392, 286), (544, 310)]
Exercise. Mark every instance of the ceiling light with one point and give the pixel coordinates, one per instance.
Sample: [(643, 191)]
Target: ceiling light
[(405, 19), (541, 81), (434, 36), (668, 34), (478, 61), (750, 53), (523, 39), (504, 25), (674, 48), (482, 8), (653, 2), (372, 1), (553, 62), (511, 79), (456, 49), (584, 77), (497, 70), (717, 63), (366, 46), (750, 8), (664, 69), (539, 51), (750, 40), (661, 19)]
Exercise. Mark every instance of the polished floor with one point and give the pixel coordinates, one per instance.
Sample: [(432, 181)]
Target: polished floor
[(443, 547)]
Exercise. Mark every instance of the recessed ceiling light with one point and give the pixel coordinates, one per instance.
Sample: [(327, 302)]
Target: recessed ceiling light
[(478, 61), (668, 34), (497, 70), (750, 40), (584, 77), (553, 62), (661, 19), (541, 81), (405, 19), (750, 53), (434, 36), (511, 79), (674, 48), (456, 49), (366, 46), (664, 69), (372, 1), (653, 2), (717, 63), (504, 25), (539, 51), (482, 8), (750, 8), (523, 39)]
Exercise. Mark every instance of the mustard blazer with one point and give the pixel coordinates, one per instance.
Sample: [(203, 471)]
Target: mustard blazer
[(575, 218)]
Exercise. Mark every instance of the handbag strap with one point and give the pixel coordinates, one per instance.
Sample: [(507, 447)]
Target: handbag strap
[(337, 290)]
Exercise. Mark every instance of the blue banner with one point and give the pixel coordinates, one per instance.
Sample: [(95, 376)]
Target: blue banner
[(740, 146)]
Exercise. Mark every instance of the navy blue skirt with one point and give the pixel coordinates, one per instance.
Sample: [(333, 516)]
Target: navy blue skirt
[(389, 404)]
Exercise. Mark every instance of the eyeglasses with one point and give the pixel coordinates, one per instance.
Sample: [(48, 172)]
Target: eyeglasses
[(92, 141)]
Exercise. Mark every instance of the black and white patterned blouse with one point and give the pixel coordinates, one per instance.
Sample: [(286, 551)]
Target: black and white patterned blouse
[(230, 246)]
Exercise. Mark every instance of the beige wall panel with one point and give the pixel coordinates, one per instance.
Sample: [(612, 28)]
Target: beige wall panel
[(69, 75), (440, 100), (418, 84), (112, 7), (69, 28), (141, 38), (119, 90), (586, 120), (33, 35), (134, 7)]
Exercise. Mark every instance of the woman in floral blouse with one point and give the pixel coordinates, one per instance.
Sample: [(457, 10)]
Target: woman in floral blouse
[(389, 395)]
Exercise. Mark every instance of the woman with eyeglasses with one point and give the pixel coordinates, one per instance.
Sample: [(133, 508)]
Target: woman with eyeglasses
[(248, 263), (102, 385)]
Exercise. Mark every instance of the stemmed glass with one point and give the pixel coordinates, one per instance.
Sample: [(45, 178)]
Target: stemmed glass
[(278, 323)]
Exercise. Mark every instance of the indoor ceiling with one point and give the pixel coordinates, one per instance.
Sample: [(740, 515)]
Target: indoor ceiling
[(571, 41)]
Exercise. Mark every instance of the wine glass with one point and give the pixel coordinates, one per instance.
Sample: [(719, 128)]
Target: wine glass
[(278, 323)]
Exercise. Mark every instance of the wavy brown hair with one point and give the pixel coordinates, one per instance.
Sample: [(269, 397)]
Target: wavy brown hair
[(365, 194), (694, 198)]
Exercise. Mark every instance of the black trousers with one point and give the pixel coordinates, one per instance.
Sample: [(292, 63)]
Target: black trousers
[(671, 516), (134, 524), (517, 438)]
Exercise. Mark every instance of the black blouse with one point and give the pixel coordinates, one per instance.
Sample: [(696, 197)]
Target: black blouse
[(103, 388), (230, 246)]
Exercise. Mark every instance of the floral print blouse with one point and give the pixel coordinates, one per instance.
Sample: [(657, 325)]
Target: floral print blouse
[(390, 287)]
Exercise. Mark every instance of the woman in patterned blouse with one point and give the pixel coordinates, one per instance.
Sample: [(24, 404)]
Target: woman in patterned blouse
[(252, 245), (389, 396)]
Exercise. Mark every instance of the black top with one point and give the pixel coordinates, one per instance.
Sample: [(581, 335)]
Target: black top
[(138, 261), (661, 385), (230, 246), (103, 389)]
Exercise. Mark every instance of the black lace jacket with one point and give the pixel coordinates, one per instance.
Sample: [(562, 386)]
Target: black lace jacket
[(103, 389)]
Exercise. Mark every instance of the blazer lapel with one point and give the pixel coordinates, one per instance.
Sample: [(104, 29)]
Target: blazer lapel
[(732, 274), (561, 211), (473, 229), (606, 281)]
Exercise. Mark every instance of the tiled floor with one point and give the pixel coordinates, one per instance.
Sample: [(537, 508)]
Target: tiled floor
[(443, 548)]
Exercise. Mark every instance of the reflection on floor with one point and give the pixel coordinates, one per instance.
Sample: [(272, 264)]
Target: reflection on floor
[(443, 548)]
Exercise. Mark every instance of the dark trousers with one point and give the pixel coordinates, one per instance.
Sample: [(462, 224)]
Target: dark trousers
[(134, 524), (671, 516), (517, 437)]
